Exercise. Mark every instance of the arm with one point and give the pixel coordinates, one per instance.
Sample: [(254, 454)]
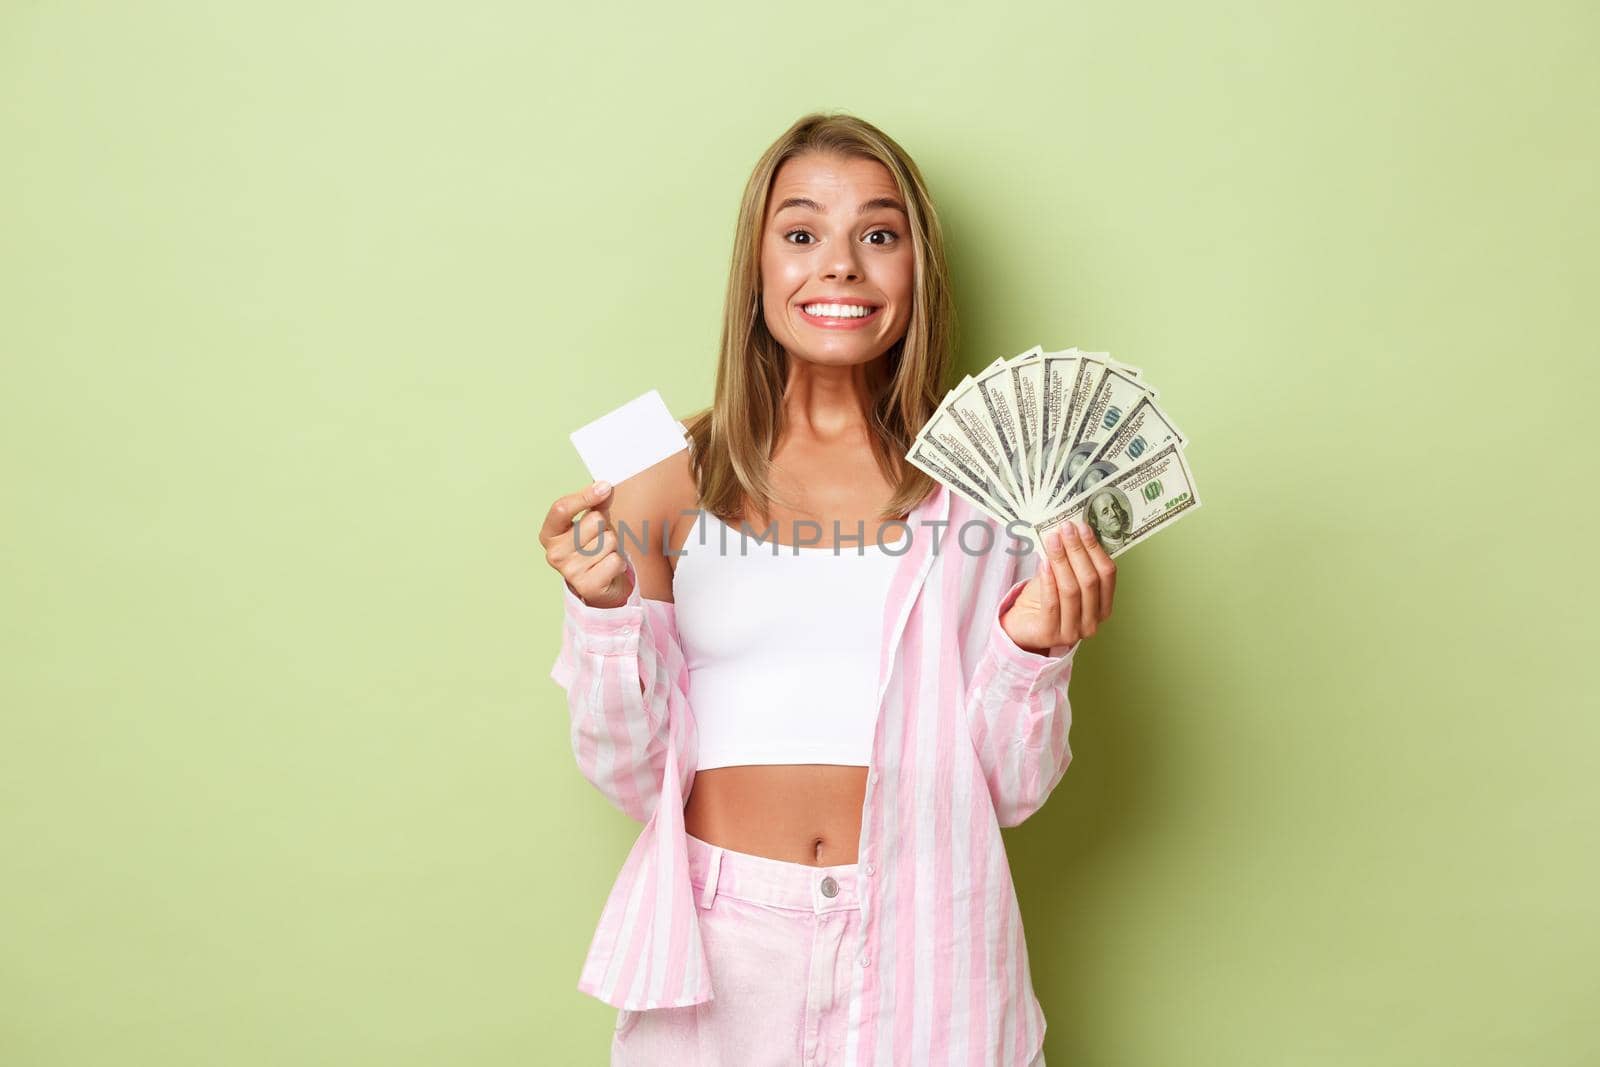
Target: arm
[(620, 667), (1017, 708)]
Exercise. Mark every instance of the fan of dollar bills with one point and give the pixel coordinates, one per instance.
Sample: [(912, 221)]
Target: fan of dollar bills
[(1045, 438)]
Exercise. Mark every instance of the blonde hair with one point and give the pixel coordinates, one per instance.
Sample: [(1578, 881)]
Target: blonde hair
[(732, 440)]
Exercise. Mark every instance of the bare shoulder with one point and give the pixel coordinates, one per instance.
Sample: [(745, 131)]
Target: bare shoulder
[(650, 509)]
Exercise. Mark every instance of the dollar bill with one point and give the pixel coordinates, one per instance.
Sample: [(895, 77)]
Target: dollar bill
[(1027, 379), (1133, 504), (961, 477), (1090, 368), (962, 429), (984, 409), (1043, 437), (1058, 370), (1143, 429), (1115, 393), (995, 387)]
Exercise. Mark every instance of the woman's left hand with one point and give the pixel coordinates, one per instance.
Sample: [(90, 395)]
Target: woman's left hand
[(1070, 595)]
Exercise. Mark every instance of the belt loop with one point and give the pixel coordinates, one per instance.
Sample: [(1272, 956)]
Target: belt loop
[(713, 871)]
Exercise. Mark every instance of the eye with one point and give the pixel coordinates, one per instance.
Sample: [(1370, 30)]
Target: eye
[(890, 234), (792, 233)]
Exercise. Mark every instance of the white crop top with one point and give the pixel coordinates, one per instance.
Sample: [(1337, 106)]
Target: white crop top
[(781, 644)]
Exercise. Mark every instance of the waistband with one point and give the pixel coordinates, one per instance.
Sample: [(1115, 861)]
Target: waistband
[(773, 882)]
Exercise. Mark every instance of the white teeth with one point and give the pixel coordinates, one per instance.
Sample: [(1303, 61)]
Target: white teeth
[(837, 311)]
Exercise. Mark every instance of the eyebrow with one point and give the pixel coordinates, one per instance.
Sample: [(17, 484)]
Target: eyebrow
[(866, 205)]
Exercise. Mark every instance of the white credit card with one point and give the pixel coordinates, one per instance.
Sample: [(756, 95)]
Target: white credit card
[(621, 443)]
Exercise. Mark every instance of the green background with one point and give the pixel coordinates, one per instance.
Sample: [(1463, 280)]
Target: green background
[(300, 302)]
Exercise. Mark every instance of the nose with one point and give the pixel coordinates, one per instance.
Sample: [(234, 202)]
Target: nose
[(841, 264)]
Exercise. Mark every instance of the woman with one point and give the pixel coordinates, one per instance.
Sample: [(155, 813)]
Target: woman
[(851, 715)]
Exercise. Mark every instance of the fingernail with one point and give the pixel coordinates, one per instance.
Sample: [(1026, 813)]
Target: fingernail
[(602, 488)]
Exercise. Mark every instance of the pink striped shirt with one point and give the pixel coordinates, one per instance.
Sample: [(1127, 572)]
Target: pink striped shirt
[(971, 737)]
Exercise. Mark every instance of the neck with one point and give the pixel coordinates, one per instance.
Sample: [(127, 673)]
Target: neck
[(827, 402)]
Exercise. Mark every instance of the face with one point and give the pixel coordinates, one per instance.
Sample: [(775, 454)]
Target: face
[(1106, 519), (836, 260)]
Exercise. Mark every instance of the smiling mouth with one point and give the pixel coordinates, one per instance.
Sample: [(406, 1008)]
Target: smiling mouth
[(838, 316)]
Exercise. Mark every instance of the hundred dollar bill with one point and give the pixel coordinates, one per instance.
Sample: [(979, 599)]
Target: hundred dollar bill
[(960, 477), (1027, 379), (963, 430), (1114, 395), (1057, 370), (1086, 374), (953, 442), (996, 392), (1126, 368), (1135, 503), (1144, 429), (984, 408)]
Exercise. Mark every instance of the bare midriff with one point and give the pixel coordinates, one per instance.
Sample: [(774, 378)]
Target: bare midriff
[(800, 812)]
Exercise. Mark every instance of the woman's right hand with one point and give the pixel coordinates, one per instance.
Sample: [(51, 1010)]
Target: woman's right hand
[(585, 551)]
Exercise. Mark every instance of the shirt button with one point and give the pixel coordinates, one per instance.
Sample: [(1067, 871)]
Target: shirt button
[(830, 888), (871, 870), (866, 961), (873, 777)]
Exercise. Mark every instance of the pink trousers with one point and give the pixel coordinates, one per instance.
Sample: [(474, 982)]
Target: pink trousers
[(778, 938)]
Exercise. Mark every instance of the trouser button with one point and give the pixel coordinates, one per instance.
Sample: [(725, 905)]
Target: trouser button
[(830, 888)]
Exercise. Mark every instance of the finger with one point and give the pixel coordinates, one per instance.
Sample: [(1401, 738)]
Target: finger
[(558, 520), (1049, 595), (572, 563), (1088, 580), (591, 526), (1104, 566), (1066, 583), (598, 576), (578, 544), (602, 507), (621, 535), (596, 543)]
